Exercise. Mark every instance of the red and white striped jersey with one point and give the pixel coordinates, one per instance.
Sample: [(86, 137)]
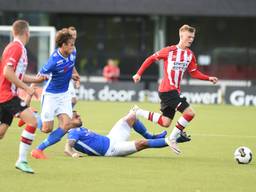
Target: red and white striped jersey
[(176, 62), (15, 55)]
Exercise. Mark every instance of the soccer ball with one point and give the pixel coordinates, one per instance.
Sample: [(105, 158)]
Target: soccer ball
[(243, 155)]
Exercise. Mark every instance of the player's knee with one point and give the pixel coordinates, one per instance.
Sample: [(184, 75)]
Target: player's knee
[(130, 119), (166, 122), (46, 129), (141, 144), (190, 112), (34, 124)]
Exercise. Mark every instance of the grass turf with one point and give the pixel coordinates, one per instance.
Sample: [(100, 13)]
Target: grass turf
[(206, 163)]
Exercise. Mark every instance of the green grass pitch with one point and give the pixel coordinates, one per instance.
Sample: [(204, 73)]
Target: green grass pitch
[(205, 165)]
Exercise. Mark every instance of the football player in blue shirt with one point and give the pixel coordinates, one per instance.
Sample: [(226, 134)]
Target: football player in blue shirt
[(116, 143), (56, 99)]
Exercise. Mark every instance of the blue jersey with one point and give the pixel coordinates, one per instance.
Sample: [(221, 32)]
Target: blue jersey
[(89, 142), (59, 70)]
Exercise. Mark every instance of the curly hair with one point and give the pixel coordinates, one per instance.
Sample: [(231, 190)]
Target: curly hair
[(62, 37)]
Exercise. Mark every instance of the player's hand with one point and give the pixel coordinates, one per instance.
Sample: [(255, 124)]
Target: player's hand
[(214, 80), (40, 78), (77, 84), (76, 155), (75, 77), (136, 78), (33, 86), (30, 91)]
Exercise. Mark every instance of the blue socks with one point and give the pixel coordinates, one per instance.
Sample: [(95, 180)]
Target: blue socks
[(157, 143), (53, 138), (141, 129)]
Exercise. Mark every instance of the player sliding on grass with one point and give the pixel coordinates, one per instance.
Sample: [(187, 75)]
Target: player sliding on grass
[(116, 143), (177, 59)]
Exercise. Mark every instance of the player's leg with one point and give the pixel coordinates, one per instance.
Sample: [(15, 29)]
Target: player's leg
[(5, 121), (54, 137), (49, 105), (170, 102), (64, 114), (121, 130), (139, 127), (188, 114), (17, 107), (125, 148), (3, 129), (151, 143), (37, 116), (72, 91), (153, 116)]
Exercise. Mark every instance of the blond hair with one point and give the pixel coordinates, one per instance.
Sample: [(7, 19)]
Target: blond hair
[(19, 27), (187, 28)]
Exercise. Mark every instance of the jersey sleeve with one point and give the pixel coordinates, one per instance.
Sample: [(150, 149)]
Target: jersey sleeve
[(192, 65), (162, 54), (12, 56), (48, 67), (73, 134), (194, 72)]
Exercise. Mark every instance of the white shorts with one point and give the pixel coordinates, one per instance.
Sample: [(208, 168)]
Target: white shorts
[(55, 104), (71, 89), (119, 136)]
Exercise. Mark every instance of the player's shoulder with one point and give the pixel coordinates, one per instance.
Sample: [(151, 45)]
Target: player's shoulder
[(11, 48), (78, 129), (56, 58), (170, 48), (55, 54), (14, 45), (74, 131)]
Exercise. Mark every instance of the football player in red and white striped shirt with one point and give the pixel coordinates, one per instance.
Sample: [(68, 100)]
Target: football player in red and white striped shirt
[(12, 76), (177, 59)]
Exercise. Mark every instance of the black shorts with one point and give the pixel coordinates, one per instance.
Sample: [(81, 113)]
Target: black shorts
[(10, 108), (172, 102)]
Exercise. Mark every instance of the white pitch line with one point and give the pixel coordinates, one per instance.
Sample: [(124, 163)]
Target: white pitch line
[(222, 135)]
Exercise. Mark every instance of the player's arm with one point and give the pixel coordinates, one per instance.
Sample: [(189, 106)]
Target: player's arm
[(69, 149), (76, 78), (149, 61), (195, 73), (11, 76), (199, 75), (47, 68), (34, 79), (28, 98)]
